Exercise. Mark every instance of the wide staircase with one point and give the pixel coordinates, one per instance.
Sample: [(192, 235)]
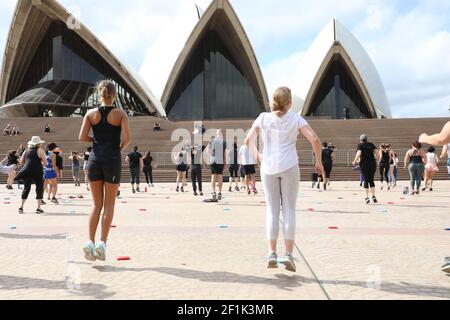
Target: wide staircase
[(344, 134)]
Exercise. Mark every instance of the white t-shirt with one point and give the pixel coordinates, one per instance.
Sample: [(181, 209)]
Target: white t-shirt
[(246, 157), (279, 136), (431, 158)]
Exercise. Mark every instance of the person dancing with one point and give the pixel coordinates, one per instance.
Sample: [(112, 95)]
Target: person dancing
[(280, 173)]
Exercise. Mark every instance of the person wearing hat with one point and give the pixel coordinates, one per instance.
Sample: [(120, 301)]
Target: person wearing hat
[(32, 160), (366, 156)]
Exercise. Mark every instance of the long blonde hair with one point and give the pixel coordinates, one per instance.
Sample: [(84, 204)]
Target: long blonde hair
[(281, 99), (106, 90)]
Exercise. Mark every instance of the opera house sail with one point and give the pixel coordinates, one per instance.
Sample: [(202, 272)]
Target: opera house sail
[(339, 80), (216, 76), (51, 66)]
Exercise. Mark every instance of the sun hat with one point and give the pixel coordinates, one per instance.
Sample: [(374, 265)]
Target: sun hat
[(35, 141)]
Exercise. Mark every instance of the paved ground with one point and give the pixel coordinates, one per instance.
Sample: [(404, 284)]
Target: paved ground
[(393, 250)]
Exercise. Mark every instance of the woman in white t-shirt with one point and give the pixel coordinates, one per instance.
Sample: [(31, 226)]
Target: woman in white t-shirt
[(280, 174), (248, 161)]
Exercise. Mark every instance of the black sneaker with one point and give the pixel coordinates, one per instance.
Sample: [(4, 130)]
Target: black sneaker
[(39, 211), (325, 186), (20, 210), (431, 189), (138, 190), (134, 191), (178, 189), (367, 200), (230, 189), (55, 201), (195, 194), (118, 193), (374, 199), (219, 197), (182, 189), (201, 194), (237, 189), (43, 203)]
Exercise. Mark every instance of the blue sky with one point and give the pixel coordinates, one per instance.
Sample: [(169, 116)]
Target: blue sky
[(408, 40)]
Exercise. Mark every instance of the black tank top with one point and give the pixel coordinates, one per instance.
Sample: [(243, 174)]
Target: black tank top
[(386, 157), (416, 158), (32, 160), (106, 145)]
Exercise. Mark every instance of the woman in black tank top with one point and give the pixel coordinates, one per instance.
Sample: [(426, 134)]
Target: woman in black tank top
[(111, 137), (33, 160)]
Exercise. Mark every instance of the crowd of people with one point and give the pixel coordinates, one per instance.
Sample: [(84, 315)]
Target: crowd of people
[(279, 167)]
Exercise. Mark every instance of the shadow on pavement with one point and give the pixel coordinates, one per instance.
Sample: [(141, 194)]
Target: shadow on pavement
[(92, 290), (285, 282)]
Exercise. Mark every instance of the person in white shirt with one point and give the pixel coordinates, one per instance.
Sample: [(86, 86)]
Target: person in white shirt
[(430, 168), (441, 139), (280, 174), (248, 161)]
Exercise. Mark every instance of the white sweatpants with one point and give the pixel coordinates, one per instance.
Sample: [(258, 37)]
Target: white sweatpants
[(281, 191)]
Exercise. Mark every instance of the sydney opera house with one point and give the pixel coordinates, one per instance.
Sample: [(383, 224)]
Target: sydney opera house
[(49, 65)]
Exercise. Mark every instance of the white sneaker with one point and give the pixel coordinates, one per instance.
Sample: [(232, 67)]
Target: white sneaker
[(272, 261), (100, 251), (89, 251), (289, 262)]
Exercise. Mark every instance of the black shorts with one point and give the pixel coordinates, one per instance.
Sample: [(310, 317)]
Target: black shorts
[(242, 172), (217, 168), (109, 172), (182, 168), (234, 171), (250, 169)]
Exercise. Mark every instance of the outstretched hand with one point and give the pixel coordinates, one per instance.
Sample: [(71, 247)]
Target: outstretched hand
[(319, 169)]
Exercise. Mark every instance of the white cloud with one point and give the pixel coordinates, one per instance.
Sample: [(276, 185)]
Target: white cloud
[(281, 72)]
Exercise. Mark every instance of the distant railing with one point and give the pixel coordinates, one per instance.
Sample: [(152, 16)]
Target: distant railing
[(165, 159)]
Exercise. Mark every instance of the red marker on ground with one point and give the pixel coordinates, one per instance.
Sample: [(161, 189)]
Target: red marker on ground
[(311, 209), (124, 258), (142, 210), (333, 228), (113, 226)]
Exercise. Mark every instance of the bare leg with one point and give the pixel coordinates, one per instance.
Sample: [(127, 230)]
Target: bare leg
[(220, 177), (108, 212), (290, 246), (213, 182), (94, 217)]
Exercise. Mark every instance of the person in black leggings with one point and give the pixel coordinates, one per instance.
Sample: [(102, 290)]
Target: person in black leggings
[(33, 160), (384, 164), (366, 157), (148, 168), (196, 168)]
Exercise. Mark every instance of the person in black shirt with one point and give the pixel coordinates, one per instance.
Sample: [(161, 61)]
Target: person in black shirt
[(327, 161), (148, 162), (196, 168), (366, 157), (135, 161), (233, 167)]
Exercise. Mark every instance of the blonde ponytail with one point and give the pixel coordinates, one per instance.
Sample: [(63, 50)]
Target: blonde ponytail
[(282, 97)]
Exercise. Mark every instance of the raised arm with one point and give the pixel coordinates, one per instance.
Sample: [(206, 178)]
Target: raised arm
[(314, 139), (250, 142), (126, 135), (439, 139), (444, 151), (42, 156), (85, 129), (406, 161), (357, 157)]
